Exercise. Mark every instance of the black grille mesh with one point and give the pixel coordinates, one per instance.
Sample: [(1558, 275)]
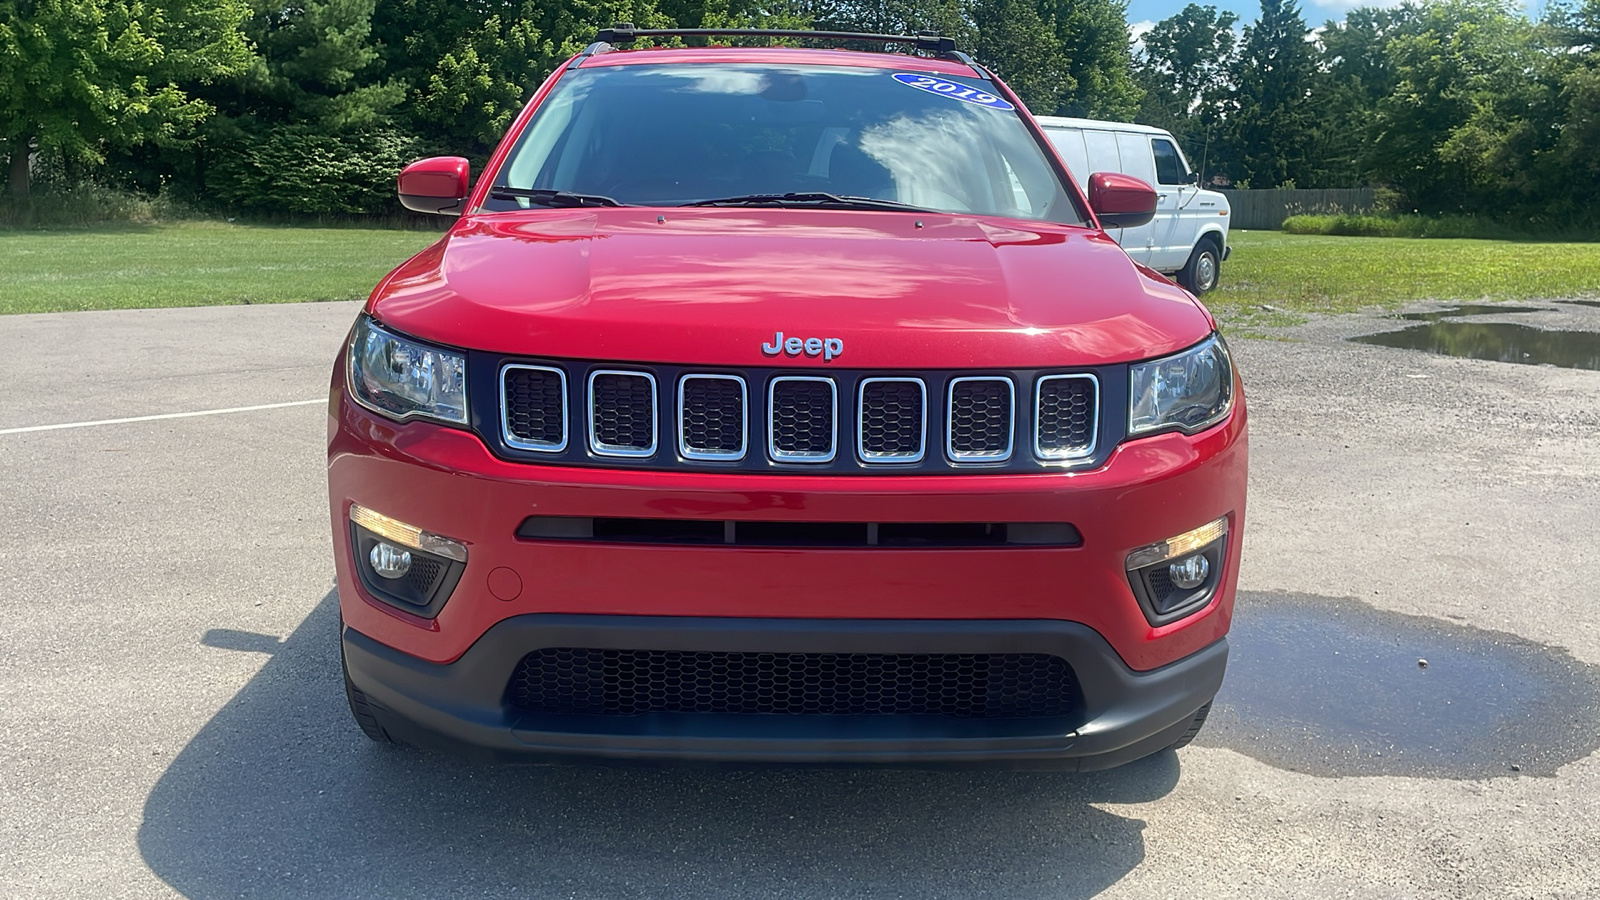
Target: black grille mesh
[(631, 682), (980, 417), (1066, 415), (534, 407), (624, 411), (891, 418), (713, 415), (802, 417), (424, 574)]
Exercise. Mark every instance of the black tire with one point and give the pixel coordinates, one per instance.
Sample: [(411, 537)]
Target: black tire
[(1204, 268), (1194, 728), (360, 709)]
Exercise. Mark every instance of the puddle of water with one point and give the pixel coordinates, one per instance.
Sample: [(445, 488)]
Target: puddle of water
[(1469, 309), (1595, 303), (1333, 687), (1502, 342)]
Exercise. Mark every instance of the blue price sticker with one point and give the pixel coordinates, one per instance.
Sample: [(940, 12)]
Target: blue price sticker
[(952, 89)]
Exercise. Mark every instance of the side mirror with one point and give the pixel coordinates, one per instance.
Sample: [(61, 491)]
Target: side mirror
[(438, 185), (1192, 178), (1121, 201)]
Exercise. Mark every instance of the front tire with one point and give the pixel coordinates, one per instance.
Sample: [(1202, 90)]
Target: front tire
[(1201, 273)]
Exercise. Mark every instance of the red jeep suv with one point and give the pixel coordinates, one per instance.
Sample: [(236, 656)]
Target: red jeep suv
[(790, 405)]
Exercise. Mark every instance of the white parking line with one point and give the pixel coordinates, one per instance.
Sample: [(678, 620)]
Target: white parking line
[(182, 415)]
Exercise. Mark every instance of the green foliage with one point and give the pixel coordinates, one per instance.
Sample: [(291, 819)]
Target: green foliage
[(1445, 226), (80, 76), (1268, 120), (300, 169)]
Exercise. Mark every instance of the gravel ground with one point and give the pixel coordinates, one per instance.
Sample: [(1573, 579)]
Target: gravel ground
[(173, 722)]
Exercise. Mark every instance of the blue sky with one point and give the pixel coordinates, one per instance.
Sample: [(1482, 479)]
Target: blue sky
[(1144, 13)]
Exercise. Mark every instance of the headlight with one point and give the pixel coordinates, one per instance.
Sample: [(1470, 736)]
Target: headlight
[(402, 378), (1189, 391)]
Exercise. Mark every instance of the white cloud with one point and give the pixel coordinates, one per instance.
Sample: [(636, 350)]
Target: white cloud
[(1137, 30)]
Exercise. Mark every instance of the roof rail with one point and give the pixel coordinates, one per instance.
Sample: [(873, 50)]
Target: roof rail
[(625, 33)]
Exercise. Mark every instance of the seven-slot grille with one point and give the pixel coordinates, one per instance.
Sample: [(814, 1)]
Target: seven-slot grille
[(715, 417), (604, 682)]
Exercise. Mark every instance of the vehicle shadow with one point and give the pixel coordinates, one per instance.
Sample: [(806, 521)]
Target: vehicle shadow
[(279, 795)]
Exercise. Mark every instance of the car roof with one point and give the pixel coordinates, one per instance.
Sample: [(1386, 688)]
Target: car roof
[(1098, 125), (791, 56)]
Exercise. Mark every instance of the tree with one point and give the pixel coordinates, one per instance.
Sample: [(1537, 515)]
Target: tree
[(1183, 67), (1096, 51), (79, 76), (1268, 117), (1454, 129)]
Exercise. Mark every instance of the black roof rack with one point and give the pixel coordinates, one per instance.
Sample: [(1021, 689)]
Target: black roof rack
[(625, 33)]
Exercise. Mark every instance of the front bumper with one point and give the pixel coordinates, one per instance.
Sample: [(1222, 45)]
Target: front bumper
[(462, 706)]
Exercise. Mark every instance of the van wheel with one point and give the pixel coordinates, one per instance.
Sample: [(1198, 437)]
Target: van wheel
[(1194, 728), (1200, 274)]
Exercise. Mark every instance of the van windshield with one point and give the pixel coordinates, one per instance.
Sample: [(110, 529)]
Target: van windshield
[(671, 135)]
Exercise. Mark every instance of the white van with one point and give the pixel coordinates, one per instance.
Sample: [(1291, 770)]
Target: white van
[(1188, 237)]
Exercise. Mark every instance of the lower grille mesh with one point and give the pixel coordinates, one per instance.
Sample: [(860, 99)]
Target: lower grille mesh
[(632, 682)]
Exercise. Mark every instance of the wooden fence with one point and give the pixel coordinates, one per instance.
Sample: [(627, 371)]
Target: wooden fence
[(1268, 209)]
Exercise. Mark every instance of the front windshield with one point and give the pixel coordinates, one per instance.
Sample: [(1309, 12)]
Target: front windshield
[(668, 135)]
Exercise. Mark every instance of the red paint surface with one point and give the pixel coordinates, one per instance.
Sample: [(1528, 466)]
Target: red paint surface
[(438, 176), (708, 287), (446, 481)]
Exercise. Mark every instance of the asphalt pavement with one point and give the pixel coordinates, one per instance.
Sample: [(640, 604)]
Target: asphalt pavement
[(173, 721)]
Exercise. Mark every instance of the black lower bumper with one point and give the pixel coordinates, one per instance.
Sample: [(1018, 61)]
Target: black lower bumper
[(461, 707)]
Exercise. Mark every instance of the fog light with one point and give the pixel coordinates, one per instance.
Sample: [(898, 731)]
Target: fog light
[(1190, 572), (389, 561)]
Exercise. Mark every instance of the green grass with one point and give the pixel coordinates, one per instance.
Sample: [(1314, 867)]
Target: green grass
[(1296, 274), (194, 264), (1271, 279)]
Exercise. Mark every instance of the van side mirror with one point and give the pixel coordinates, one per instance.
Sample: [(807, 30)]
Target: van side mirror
[(1193, 178), (437, 185), (1121, 201)]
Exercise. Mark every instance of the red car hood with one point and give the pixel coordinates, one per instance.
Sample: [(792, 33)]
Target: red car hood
[(711, 286)]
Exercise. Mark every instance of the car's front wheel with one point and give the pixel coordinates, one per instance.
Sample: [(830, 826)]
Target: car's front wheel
[(1200, 274)]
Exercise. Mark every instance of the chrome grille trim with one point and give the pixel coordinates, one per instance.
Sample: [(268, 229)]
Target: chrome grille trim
[(968, 457), (1087, 450), (861, 424), (603, 449), (772, 409), (505, 412), (744, 421)]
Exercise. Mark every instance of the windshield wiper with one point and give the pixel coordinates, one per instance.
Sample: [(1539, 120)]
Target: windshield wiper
[(543, 197), (809, 198)]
